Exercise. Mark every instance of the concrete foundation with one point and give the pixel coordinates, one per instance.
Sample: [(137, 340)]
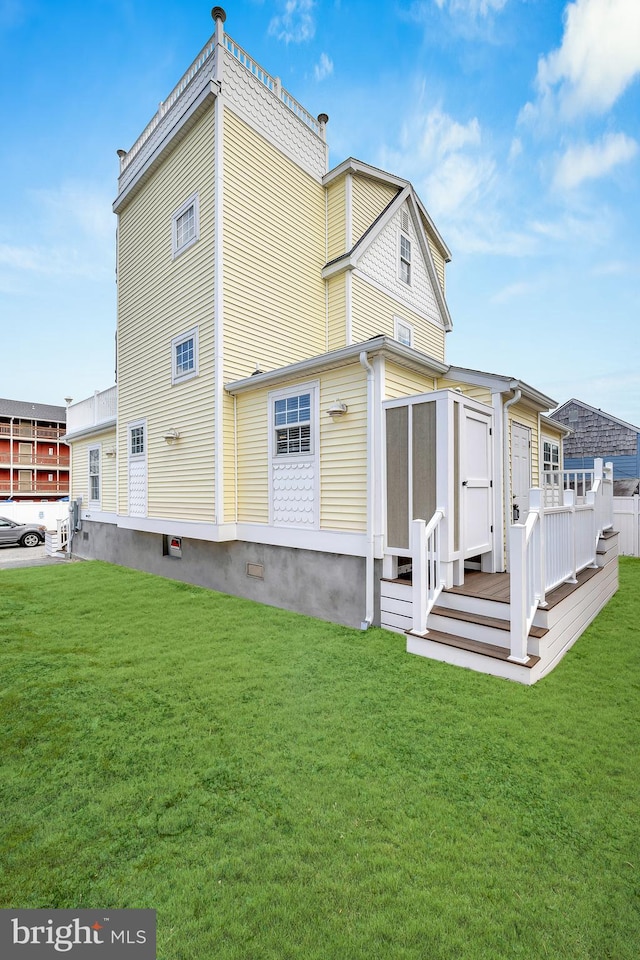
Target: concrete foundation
[(329, 586)]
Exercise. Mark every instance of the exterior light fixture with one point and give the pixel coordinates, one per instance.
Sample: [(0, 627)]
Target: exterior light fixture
[(337, 409), (111, 452), (171, 435)]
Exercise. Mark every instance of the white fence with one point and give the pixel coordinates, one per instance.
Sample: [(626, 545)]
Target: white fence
[(32, 511), (626, 521)]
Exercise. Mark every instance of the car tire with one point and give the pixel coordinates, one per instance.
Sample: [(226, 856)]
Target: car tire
[(30, 540)]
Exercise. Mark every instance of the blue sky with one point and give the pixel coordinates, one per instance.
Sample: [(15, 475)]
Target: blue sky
[(516, 120)]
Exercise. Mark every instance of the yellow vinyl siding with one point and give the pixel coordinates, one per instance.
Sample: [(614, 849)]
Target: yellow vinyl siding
[(336, 218), (80, 470), (373, 313), (108, 470), (369, 199), (527, 417), (229, 459), (438, 259), (274, 251), (343, 450), (337, 311), (252, 414), (160, 298), (401, 382), (480, 393)]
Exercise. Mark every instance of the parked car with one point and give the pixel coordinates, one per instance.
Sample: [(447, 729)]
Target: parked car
[(26, 534)]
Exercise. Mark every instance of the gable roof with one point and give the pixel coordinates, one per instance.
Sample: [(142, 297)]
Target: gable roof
[(351, 165), (32, 411), (350, 259), (502, 384), (608, 416)]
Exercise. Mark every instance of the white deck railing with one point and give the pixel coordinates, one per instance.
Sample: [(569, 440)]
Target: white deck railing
[(555, 482), (427, 577), (102, 406), (209, 50), (553, 546)]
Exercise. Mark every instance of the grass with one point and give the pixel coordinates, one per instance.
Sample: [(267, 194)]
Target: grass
[(279, 787)]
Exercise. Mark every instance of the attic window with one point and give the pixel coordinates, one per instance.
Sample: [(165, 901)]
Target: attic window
[(185, 225), (404, 221), (403, 331), (405, 259)]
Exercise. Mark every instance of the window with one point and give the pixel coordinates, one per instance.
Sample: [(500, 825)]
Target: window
[(94, 474), (403, 331), (136, 441), (184, 356), (550, 456), (405, 258), (292, 419), (185, 225)]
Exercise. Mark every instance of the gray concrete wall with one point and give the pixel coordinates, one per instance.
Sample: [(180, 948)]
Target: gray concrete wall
[(325, 585)]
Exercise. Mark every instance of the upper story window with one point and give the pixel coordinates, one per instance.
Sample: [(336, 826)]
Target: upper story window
[(292, 421), (185, 225), (184, 356), (405, 258), (94, 474), (403, 331)]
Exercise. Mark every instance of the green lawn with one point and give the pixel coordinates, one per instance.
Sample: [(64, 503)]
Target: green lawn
[(279, 787)]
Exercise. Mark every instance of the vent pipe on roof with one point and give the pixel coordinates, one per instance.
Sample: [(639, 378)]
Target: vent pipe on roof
[(218, 14)]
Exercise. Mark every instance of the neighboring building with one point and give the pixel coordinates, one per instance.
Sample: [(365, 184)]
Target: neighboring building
[(595, 433), (34, 460), (284, 407)]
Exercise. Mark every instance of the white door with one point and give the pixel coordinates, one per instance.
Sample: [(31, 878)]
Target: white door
[(476, 475), (520, 472)]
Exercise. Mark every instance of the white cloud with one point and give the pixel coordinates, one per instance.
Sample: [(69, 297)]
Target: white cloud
[(513, 291), (598, 58), (473, 8), (296, 23), (324, 68), (592, 160)]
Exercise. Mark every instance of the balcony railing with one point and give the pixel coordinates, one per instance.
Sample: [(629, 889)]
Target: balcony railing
[(99, 408), (204, 58), (35, 460), (23, 489), (31, 432)]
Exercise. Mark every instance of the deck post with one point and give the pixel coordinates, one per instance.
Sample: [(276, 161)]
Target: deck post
[(569, 500), (419, 577), (518, 593)]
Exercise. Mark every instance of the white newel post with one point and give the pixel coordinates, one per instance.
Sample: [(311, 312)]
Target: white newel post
[(569, 500), (536, 505), (419, 576), (518, 599)]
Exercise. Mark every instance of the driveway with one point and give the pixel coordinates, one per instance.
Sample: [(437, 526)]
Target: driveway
[(25, 557)]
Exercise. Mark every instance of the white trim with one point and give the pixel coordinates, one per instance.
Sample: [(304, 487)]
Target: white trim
[(400, 322), (103, 427), (348, 299), (99, 516), (95, 503), (218, 312), (191, 334), (312, 457), (138, 458), (192, 201), (348, 218)]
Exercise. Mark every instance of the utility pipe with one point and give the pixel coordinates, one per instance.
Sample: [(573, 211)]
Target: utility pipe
[(369, 567)]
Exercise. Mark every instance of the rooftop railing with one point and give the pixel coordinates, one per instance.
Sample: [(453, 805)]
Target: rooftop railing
[(102, 406), (271, 83)]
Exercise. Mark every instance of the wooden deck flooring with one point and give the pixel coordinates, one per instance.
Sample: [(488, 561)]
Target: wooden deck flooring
[(495, 586)]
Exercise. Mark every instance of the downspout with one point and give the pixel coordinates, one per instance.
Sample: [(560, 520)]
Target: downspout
[(219, 17), (369, 556), (507, 468)]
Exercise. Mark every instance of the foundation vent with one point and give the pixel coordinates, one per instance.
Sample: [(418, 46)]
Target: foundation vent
[(255, 570)]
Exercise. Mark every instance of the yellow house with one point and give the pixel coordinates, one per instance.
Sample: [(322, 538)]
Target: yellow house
[(285, 425)]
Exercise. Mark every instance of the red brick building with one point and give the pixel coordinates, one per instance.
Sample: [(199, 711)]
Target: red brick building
[(34, 463)]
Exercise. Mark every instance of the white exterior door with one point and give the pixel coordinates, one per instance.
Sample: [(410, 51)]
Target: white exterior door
[(137, 463), (477, 492), (520, 471)]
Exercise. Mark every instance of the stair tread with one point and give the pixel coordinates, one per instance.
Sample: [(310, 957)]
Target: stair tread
[(495, 622), (473, 646)]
